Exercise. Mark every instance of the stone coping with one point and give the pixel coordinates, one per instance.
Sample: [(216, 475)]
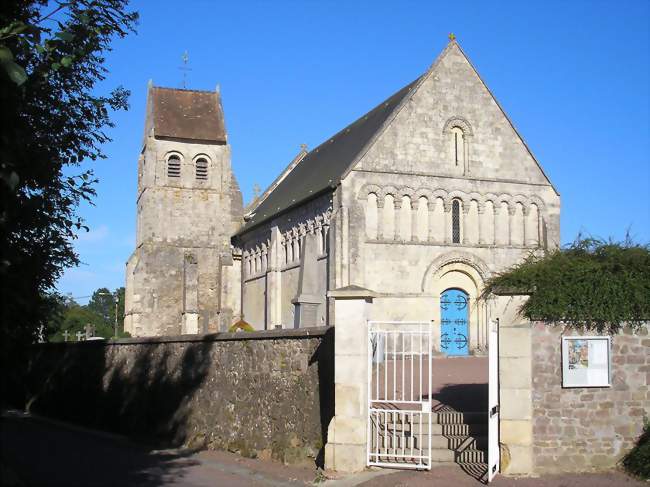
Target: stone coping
[(290, 333)]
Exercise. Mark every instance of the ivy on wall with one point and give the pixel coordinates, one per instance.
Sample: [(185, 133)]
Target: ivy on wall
[(591, 283)]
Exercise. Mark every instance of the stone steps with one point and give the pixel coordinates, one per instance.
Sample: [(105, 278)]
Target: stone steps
[(447, 429), (456, 438)]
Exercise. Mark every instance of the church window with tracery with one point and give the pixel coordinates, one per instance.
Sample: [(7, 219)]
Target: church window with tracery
[(174, 166), (201, 169), (455, 221)]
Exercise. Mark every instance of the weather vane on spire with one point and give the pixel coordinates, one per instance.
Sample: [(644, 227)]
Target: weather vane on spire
[(186, 58), (452, 36)]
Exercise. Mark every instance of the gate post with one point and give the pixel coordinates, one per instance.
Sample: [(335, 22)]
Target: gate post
[(346, 449)]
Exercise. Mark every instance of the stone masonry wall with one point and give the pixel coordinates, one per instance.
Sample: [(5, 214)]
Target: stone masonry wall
[(581, 429), (266, 394)]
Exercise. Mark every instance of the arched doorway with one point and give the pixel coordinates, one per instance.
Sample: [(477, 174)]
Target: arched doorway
[(454, 322)]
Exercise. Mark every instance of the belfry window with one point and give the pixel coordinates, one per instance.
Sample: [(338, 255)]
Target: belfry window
[(202, 169), (174, 166), (455, 221)]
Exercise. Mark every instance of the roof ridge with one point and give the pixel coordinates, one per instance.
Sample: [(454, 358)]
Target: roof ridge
[(168, 88)]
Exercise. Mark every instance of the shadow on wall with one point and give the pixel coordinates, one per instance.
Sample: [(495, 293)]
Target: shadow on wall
[(269, 397), (324, 357), (137, 394)]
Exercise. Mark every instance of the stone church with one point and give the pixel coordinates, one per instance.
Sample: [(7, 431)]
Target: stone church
[(420, 200)]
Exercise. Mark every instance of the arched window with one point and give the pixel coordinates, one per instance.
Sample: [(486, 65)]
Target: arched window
[(455, 221), (458, 146), (202, 169), (174, 166), (458, 132)]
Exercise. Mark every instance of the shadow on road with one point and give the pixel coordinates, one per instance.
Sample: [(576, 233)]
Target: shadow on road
[(41, 453)]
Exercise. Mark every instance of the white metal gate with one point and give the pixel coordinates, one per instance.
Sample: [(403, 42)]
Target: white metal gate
[(399, 388), (494, 454)]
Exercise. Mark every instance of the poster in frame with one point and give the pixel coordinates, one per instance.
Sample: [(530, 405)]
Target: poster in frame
[(586, 361)]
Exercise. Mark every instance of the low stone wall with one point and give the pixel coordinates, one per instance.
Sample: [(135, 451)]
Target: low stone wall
[(267, 394), (581, 429)]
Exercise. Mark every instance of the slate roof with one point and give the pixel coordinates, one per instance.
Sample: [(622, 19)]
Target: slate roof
[(188, 114), (322, 168)]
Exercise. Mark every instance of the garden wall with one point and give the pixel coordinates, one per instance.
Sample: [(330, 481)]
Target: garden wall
[(266, 393), (581, 429)]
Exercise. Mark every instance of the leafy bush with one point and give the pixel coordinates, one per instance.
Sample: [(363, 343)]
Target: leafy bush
[(637, 461), (591, 283)]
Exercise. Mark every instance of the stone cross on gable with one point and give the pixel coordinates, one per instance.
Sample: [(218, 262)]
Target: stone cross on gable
[(66, 335), (80, 334)]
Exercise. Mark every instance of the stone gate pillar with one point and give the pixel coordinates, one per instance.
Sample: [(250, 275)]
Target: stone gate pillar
[(346, 434)]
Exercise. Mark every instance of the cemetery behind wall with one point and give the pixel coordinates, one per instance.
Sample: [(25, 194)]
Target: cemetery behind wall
[(587, 428), (267, 394)]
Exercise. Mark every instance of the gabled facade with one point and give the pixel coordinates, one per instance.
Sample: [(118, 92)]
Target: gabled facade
[(432, 191)]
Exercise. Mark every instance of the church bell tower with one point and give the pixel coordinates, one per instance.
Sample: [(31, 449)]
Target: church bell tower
[(182, 277)]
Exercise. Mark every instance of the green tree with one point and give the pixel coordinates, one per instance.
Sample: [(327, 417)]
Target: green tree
[(75, 318), (591, 284), (102, 302), (53, 118)]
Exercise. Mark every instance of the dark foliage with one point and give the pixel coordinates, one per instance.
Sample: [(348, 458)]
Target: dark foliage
[(71, 317), (591, 283), (52, 119), (637, 461)]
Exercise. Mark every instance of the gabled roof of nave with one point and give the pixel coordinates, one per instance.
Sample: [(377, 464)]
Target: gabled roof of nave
[(323, 168), (186, 114)]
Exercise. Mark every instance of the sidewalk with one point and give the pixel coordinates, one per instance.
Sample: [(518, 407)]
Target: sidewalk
[(40, 452), (452, 476), (36, 451)]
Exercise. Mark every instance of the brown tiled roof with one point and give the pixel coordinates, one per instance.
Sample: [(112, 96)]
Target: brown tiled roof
[(188, 114)]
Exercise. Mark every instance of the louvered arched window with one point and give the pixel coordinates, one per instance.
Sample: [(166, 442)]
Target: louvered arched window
[(201, 169), (174, 166)]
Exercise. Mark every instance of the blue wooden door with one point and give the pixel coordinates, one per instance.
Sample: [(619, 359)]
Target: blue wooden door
[(454, 318)]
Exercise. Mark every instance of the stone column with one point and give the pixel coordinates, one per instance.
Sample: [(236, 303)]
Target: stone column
[(190, 319), (397, 205), (526, 211), (274, 281), (345, 246), (380, 219), (515, 383), (431, 207), (448, 229), (414, 220), (346, 434), (465, 224), (481, 223), (512, 209), (496, 210)]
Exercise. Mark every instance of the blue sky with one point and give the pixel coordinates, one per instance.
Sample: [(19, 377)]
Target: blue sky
[(574, 77)]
